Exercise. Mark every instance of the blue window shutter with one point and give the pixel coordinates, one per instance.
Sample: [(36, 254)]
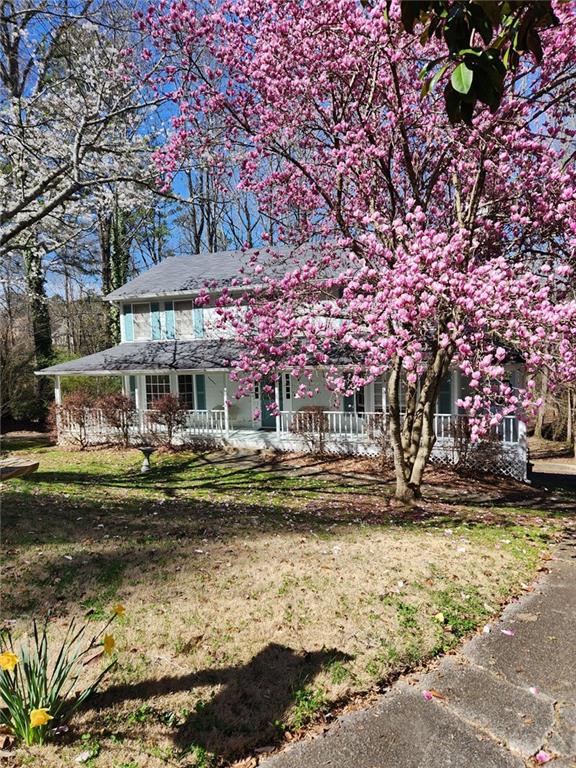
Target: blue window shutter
[(155, 318), (128, 321), (200, 392), (132, 384), (169, 319), (198, 323)]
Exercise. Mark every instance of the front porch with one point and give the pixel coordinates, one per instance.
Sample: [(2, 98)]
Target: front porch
[(312, 429), (197, 375)]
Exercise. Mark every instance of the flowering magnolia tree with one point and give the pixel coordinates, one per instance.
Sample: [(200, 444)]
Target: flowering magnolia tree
[(438, 246)]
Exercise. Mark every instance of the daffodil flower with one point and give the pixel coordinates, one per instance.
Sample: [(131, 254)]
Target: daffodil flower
[(40, 717), (109, 644), (8, 661)]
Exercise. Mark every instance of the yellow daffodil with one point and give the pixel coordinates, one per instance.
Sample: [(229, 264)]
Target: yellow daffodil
[(8, 661), (119, 610), (109, 644), (39, 717)]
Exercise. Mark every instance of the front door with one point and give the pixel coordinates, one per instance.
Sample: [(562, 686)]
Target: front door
[(354, 403), (267, 419)]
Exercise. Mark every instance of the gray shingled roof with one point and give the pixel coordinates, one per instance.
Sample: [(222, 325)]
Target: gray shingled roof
[(187, 274), (208, 354), (150, 356)]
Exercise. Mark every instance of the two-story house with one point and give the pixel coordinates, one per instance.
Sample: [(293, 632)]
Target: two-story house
[(171, 346)]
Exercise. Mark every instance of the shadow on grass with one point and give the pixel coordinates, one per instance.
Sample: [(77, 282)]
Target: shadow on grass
[(251, 706), (65, 553), (216, 474), (10, 443)]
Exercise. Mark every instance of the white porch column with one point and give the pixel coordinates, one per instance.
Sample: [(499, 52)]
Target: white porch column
[(226, 414), (456, 390), (384, 395), (277, 401), (140, 401), (57, 391)]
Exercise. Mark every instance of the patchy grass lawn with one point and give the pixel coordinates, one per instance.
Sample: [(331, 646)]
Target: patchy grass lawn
[(259, 594)]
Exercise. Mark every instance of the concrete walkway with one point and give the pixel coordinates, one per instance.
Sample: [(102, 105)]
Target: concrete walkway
[(505, 697)]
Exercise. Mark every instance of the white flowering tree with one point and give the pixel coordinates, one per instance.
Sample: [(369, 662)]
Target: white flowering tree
[(75, 137)]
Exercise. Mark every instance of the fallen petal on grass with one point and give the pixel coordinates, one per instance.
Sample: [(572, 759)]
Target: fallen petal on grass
[(508, 632)]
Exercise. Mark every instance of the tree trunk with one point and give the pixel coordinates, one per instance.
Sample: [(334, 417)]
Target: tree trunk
[(541, 411), (570, 421), (105, 237), (115, 258), (403, 491), (41, 328), (412, 434)]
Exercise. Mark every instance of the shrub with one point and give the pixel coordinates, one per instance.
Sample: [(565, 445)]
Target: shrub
[(39, 694), (119, 412), (376, 426), (311, 423), (169, 412), (75, 413)]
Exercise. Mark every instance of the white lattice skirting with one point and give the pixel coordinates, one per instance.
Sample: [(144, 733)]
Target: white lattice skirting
[(493, 457)]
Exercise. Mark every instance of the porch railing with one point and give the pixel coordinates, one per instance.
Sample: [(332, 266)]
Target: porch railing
[(195, 423), (144, 423), (370, 424)]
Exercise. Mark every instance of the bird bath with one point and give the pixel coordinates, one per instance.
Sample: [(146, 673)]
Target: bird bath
[(147, 450)]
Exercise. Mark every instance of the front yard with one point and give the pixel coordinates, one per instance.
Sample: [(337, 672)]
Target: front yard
[(260, 595)]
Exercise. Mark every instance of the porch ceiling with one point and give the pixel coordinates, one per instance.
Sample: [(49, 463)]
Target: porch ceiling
[(208, 354)]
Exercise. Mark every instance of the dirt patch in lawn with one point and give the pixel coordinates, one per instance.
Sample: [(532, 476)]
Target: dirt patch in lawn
[(256, 599)]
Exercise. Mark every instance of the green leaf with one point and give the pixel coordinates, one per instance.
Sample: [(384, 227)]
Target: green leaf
[(438, 75), (481, 23), (457, 29), (492, 10), (467, 111), (535, 45), (429, 66), (462, 78), (410, 11), (452, 101)]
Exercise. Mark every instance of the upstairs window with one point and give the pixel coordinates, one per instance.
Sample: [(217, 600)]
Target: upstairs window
[(184, 319), (142, 327)]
